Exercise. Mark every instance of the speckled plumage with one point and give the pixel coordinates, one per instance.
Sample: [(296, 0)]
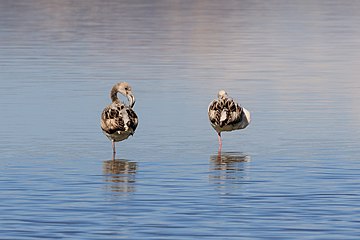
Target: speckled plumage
[(118, 120), (227, 115)]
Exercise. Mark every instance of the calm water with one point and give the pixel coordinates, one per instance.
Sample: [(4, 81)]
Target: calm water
[(292, 174)]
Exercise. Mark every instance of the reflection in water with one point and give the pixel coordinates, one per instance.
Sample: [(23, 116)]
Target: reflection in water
[(120, 174), (228, 168)]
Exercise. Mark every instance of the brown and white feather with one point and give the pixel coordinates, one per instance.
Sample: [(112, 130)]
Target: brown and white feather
[(227, 115), (118, 120)]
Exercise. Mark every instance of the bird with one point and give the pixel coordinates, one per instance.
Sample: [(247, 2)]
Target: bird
[(225, 114), (119, 120)]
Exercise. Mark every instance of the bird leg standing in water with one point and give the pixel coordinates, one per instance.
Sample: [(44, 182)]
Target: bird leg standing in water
[(227, 115), (114, 150), (220, 141), (118, 120)]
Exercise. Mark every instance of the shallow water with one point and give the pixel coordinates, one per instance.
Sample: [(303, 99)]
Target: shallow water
[(292, 174)]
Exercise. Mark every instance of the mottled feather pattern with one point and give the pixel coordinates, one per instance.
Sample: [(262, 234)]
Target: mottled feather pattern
[(118, 120), (224, 112), (118, 117), (133, 119)]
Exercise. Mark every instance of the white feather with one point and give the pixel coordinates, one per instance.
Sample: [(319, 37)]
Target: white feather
[(223, 116)]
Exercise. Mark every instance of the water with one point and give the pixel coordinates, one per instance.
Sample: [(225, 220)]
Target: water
[(292, 174)]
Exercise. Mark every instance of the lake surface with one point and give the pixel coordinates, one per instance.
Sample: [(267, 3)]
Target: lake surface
[(292, 174)]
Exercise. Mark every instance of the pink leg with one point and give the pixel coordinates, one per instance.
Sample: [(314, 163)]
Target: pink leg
[(220, 141), (219, 155)]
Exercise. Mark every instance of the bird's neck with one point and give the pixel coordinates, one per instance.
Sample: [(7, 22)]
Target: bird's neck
[(113, 95)]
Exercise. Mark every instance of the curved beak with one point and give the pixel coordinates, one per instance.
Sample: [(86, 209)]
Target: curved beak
[(131, 99)]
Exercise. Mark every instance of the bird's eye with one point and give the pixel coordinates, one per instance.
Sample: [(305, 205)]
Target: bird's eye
[(126, 88)]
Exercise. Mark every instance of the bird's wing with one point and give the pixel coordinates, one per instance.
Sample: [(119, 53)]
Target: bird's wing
[(112, 119), (213, 112), (131, 120), (233, 110)]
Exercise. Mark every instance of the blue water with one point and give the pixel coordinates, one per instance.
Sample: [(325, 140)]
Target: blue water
[(292, 174)]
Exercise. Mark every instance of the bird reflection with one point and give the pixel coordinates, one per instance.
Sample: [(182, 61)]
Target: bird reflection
[(228, 168), (120, 174)]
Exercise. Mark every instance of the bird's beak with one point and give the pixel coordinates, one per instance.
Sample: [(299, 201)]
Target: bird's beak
[(131, 99)]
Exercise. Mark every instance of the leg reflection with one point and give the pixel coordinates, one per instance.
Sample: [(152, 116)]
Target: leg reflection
[(120, 174), (228, 168), (229, 160)]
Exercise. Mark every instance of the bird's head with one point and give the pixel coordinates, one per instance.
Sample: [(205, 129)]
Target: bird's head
[(222, 94), (125, 89)]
